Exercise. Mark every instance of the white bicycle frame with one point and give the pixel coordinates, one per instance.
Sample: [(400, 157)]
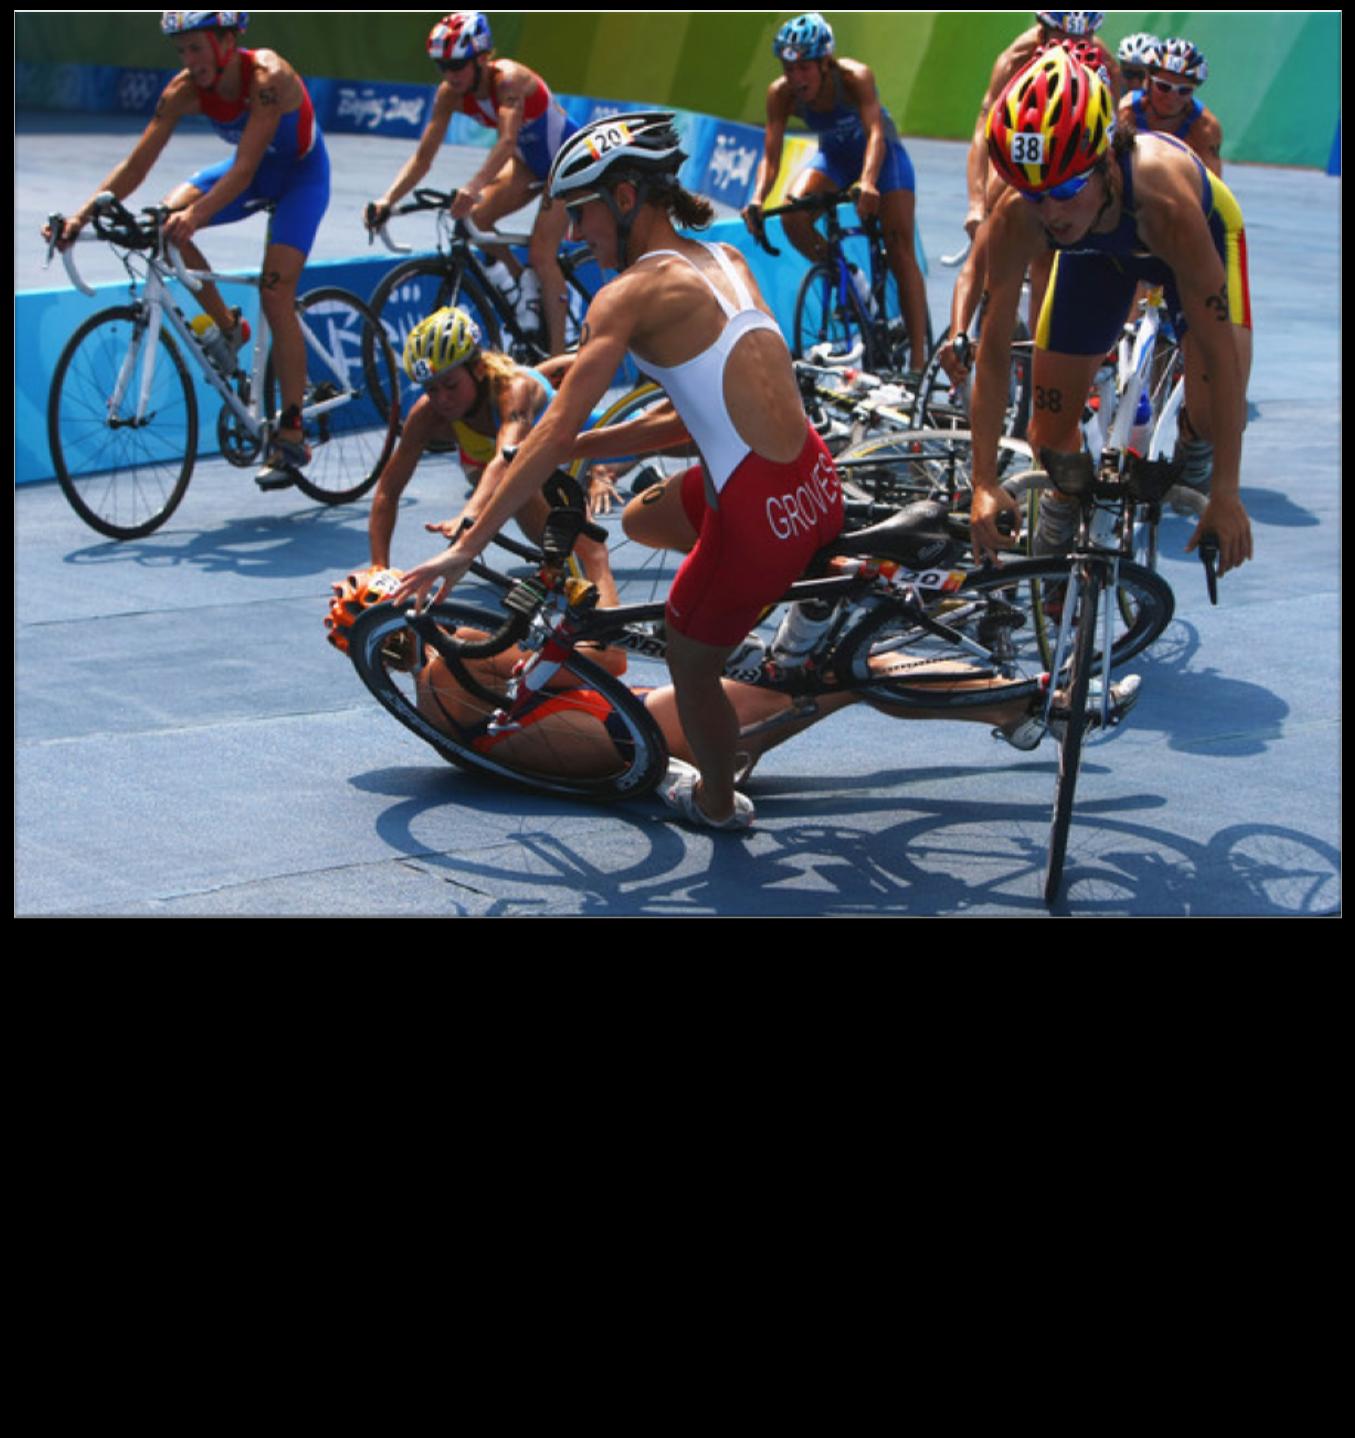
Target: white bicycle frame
[(156, 299)]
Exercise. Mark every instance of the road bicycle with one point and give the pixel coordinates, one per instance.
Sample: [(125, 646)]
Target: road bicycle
[(834, 321), (907, 626), (1074, 620), (122, 412), (458, 273)]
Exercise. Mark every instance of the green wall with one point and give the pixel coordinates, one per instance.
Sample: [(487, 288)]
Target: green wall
[(1274, 82)]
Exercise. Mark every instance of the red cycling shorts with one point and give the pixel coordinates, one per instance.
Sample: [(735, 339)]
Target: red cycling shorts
[(770, 521)]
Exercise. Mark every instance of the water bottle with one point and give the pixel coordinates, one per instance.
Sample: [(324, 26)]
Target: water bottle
[(800, 631), (862, 287), (529, 301), (501, 277), (219, 349), (1140, 436)]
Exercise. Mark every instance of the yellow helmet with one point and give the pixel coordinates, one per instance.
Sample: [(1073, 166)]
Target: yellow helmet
[(447, 338)]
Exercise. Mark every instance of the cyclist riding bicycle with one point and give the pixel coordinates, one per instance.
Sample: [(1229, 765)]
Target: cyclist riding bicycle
[(512, 100), (766, 498), (837, 100), (479, 400), (1166, 102), (1115, 211), (258, 104)]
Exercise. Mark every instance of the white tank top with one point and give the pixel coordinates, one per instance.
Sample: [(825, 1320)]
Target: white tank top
[(697, 386)]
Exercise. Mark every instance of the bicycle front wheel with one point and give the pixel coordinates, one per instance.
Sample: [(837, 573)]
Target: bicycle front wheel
[(123, 465), (828, 321), (1077, 684), (588, 738), (981, 643), (349, 423), (413, 291)]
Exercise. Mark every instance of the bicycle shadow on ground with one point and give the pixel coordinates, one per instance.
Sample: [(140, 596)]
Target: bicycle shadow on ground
[(305, 543), (836, 848)]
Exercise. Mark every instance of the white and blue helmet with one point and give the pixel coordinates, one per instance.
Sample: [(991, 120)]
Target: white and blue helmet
[(807, 37), (1072, 22), (181, 22), (1181, 58)]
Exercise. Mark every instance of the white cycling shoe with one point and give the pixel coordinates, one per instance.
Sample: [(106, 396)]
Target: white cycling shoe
[(1027, 733), (678, 791)]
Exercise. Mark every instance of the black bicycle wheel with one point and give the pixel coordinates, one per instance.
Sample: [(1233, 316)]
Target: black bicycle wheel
[(598, 743), (123, 475), (939, 404), (348, 421), (1083, 661), (980, 635), (413, 291), (828, 323)]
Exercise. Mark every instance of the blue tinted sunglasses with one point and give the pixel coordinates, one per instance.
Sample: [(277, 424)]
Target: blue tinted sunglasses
[(1065, 191)]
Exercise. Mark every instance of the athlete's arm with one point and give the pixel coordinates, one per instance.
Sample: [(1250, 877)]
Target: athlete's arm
[(421, 161), (864, 93), (177, 100), (395, 476), (1173, 226), (976, 171), (1014, 239), (773, 142), (512, 105), (1207, 141)]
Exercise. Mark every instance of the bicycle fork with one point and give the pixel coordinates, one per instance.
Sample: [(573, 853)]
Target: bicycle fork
[(1064, 642)]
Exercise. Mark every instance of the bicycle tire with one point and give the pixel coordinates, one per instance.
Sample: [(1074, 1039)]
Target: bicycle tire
[(993, 609), (1083, 660), (124, 481), (414, 290), (572, 759), (348, 421), (937, 405), (822, 323)]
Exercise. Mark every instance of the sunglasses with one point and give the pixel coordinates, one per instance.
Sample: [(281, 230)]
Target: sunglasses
[(574, 205), (1065, 191), (450, 67), (1133, 76), (1165, 87)]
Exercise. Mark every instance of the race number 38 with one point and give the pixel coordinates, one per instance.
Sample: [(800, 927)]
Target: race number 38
[(608, 138), (1027, 149)]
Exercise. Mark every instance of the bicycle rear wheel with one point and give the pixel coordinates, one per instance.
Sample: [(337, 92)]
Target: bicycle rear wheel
[(981, 634), (347, 418), (1083, 660), (123, 475), (413, 291), (829, 322), (591, 739)]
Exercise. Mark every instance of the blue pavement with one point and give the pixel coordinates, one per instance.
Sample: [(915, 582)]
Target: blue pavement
[(188, 745)]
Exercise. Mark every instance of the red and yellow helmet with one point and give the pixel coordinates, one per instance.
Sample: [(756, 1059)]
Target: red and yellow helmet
[(1051, 124)]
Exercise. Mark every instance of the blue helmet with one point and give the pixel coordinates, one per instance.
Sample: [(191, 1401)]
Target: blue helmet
[(807, 37), (180, 22), (1072, 22)]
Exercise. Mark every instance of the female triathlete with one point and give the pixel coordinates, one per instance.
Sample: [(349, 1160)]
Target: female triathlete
[(257, 103), (691, 315), (837, 100), (514, 101)]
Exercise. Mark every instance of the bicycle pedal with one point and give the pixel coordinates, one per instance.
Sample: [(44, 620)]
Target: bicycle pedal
[(278, 476)]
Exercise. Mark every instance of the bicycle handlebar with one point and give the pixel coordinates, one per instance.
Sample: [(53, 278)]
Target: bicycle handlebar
[(1209, 557)]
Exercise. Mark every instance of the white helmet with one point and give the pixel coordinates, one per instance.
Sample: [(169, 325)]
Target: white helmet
[(645, 142)]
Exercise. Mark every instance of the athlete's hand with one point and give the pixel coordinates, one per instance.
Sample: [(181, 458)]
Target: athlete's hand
[(972, 221), (1227, 519), (753, 220), (70, 231), (867, 200), (955, 365), (181, 226), (442, 574), (465, 202), (375, 215), (988, 541), (602, 490)]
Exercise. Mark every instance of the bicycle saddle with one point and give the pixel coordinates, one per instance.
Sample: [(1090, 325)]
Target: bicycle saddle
[(918, 537)]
